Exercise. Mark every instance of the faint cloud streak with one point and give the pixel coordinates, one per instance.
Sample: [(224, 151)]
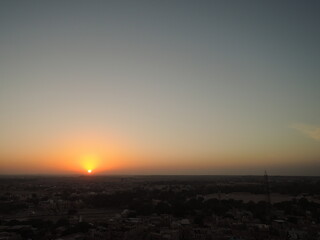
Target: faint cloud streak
[(310, 131)]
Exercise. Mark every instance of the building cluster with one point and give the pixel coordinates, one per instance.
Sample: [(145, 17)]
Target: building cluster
[(87, 209)]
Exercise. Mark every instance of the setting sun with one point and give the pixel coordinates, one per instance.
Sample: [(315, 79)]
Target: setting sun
[(90, 162)]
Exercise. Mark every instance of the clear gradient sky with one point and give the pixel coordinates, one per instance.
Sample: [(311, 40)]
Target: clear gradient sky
[(160, 87)]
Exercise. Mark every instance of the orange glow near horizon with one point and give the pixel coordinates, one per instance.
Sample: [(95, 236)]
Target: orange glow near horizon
[(91, 154)]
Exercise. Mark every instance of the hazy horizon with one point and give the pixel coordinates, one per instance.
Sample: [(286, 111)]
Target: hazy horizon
[(160, 87)]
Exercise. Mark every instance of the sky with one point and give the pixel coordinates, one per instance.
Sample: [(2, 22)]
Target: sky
[(160, 87)]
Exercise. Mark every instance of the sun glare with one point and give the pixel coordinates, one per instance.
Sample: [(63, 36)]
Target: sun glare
[(89, 163)]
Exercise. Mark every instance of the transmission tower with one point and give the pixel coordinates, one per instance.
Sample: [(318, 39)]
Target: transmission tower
[(267, 188)]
